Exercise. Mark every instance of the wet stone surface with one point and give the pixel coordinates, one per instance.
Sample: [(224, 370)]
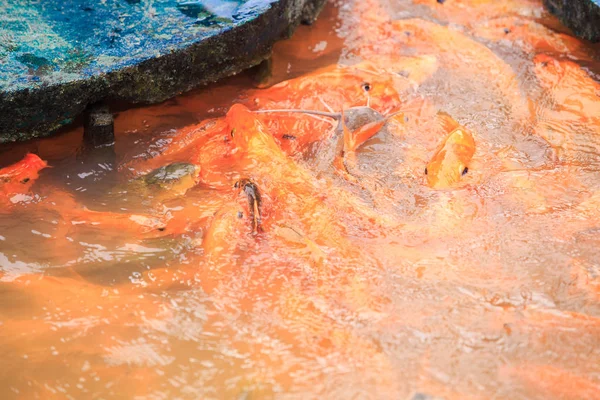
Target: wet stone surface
[(58, 57), (582, 16)]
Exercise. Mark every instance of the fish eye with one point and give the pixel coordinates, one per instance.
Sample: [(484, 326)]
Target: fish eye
[(465, 171), (425, 170), (506, 31), (25, 180), (240, 215), (366, 86)]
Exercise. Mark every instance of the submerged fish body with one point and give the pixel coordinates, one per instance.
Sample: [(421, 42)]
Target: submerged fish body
[(571, 121), (469, 12), (334, 88), (456, 52), (451, 160), (531, 36)]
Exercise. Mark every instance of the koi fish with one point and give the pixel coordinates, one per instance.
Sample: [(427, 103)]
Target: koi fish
[(584, 274), (227, 229), (17, 179), (572, 122), (455, 51), (415, 69), (354, 127), (337, 88), (174, 147), (451, 160), (64, 292), (553, 382), (531, 36), (467, 12), (76, 214), (572, 88)]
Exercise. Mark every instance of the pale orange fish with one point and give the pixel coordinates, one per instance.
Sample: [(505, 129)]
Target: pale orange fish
[(415, 69), (228, 229), (553, 382), (570, 121), (468, 12), (572, 88), (455, 51), (451, 160), (585, 276), (333, 88), (531, 36), (76, 214), (79, 297), (354, 127)]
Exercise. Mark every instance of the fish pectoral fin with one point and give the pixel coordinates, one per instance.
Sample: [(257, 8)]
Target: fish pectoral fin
[(362, 134)]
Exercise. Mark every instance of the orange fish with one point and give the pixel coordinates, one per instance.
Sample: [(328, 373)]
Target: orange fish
[(18, 178), (553, 382), (531, 36), (229, 228), (467, 12), (455, 50), (572, 121), (175, 147), (329, 89), (75, 214), (572, 88), (354, 127), (451, 160)]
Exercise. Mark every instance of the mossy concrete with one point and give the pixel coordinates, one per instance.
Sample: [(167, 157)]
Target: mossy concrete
[(59, 57), (581, 16)]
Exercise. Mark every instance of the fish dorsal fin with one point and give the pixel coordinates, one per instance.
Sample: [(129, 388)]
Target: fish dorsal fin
[(446, 122)]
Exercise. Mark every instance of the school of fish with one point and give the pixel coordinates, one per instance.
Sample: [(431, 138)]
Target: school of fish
[(414, 215)]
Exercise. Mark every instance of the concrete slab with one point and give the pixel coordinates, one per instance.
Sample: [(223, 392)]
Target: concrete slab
[(581, 16), (56, 56)]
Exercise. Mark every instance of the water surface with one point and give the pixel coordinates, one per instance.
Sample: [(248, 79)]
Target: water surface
[(365, 285)]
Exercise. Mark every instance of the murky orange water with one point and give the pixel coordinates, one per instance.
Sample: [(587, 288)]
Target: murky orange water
[(364, 278)]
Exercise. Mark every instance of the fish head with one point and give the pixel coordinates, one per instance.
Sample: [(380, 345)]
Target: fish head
[(444, 170), (20, 176), (369, 85), (242, 124), (451, 160), (334, 89), (249, 134), (548, 70), (503, 28)]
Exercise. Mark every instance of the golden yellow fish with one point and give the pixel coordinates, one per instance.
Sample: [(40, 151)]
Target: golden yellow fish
[(451, 160)]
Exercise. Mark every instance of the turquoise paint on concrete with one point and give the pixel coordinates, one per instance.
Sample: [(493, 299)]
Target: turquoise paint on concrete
[(47, 42)]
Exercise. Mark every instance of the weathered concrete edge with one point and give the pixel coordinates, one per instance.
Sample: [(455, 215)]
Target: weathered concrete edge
[(581, 16), (156, 79)]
